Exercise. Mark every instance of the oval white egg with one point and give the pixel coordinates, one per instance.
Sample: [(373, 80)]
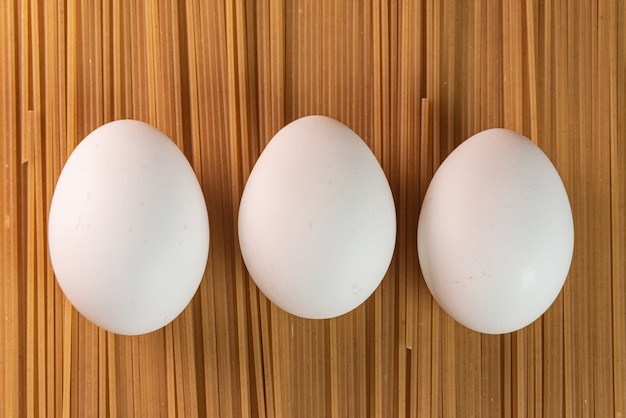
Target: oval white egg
[(128, 229), (495, 233), (317, 219)]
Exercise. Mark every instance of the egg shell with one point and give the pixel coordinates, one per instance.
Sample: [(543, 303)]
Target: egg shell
[(317, 220), (495, 233), (128, 228)]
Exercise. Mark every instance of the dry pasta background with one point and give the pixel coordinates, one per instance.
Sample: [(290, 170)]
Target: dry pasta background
[(413, 78)]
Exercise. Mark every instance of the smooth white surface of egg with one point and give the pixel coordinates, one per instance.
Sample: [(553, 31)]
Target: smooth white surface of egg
[(495, 233), (317, 221), (128, 228)]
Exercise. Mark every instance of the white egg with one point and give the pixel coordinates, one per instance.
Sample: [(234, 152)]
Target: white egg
[(495, 235), (317, 219), (128, 228)]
